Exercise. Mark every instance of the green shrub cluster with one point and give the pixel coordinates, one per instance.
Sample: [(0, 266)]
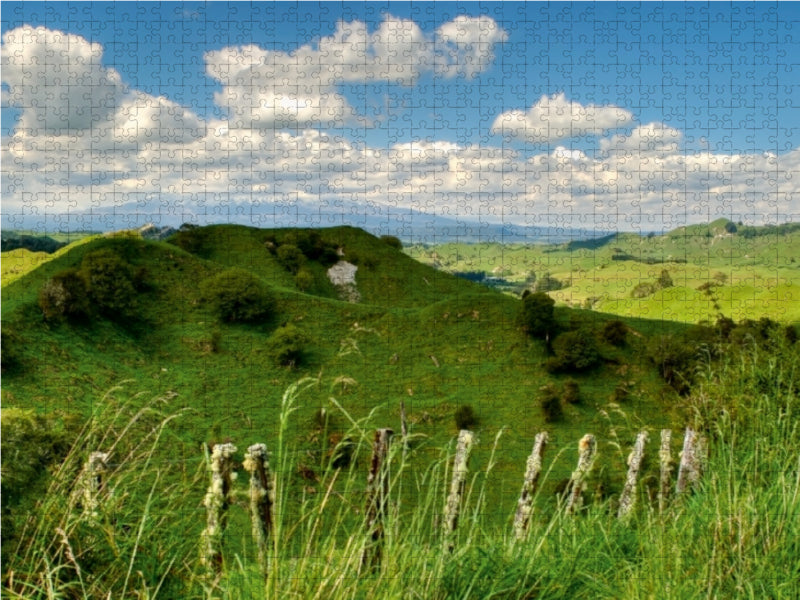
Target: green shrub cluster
[(296, 247), (393, 241), (550, 401), (574, 352), (105, 283), (237, 296), (287, 346)]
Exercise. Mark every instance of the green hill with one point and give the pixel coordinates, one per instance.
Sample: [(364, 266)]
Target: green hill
[(404, 332), (737, 271), (417, 335)]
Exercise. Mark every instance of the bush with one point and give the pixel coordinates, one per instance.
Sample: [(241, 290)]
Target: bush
[(290, 257), (238, 296), (304, 280), (550, 403), (286, 346), (675, 360), (643, 290), (574, 351), (393, 241), (109, 283), (547, 284), (571, 393), (192, 239), (614, 333), (536, 316), (10, 353), (64, 296), (465, 417)]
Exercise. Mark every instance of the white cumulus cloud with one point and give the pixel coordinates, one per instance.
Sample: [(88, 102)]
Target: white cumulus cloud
[(555, 118)]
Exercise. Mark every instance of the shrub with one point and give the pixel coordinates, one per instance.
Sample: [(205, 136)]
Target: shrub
[(304, 279), (614, 333), (286, 346), (465, 417), (192, 239), (290, 257), (675, 360), (393, 241), (547, 284), (10, 354), (237, 296), (109, 283), (550, 403), (574, 351), (642, 290), (536, 316), (621, 393), (64, 296), (572, 392)]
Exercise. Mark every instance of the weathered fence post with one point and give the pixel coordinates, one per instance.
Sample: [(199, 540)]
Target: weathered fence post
[(453, 506), (689, 469), (256, 462), (403, 425), (628, 497), (216, 502), (587, 451), (377, 497), (665, 460), (93, 472), (533, 469)]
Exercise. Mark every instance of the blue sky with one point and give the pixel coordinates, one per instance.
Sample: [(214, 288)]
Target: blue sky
[(608, 116)]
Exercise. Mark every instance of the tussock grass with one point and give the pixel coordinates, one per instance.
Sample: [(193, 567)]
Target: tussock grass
[(737, 535)]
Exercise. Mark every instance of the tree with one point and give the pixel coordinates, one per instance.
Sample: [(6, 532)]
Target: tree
[(64, 296), (290, 257), (574, 351), (237, 296), (109, 283), (536, 316)]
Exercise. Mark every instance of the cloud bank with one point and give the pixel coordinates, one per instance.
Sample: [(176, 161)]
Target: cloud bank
[(87, 142)]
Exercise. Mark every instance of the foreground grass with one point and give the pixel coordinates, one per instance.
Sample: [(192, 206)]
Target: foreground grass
[(736, 536)]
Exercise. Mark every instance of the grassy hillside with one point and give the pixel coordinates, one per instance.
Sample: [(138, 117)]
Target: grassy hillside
[(418, 335), (750, 273)]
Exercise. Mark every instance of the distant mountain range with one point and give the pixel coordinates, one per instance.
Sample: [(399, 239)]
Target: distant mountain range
[(410, 226)]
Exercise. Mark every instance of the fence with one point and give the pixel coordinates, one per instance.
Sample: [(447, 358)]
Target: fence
[(219, 496)]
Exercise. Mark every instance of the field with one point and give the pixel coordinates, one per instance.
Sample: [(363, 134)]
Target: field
[(713, 271), (156, 377)]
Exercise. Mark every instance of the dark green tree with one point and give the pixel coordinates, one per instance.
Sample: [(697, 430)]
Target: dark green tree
[(537, 314), (238, 296)]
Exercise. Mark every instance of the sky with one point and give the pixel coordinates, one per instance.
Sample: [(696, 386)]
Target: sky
[(629, 116)]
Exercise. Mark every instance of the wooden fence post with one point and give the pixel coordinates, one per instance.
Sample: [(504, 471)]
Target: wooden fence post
[(587, 451), (689, 470), (665, 460), (216, 502), (453, 506), (533, 469), (377, 497), (94, 470), (262, 498), (628, 497)]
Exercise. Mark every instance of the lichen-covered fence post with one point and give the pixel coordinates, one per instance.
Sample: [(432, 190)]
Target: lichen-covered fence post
[(587, 451), (377, 497), (403, 426), (216, 501), (628, 497), (94, 471), (262, 497), (532, 471), (689, 469), (453, 505), (665, 460)]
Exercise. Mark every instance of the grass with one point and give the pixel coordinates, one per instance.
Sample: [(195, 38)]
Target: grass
[(751, 276), (736, 535), (419, 335)]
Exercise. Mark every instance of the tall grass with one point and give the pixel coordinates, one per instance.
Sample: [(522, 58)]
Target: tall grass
[(737, 535)]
